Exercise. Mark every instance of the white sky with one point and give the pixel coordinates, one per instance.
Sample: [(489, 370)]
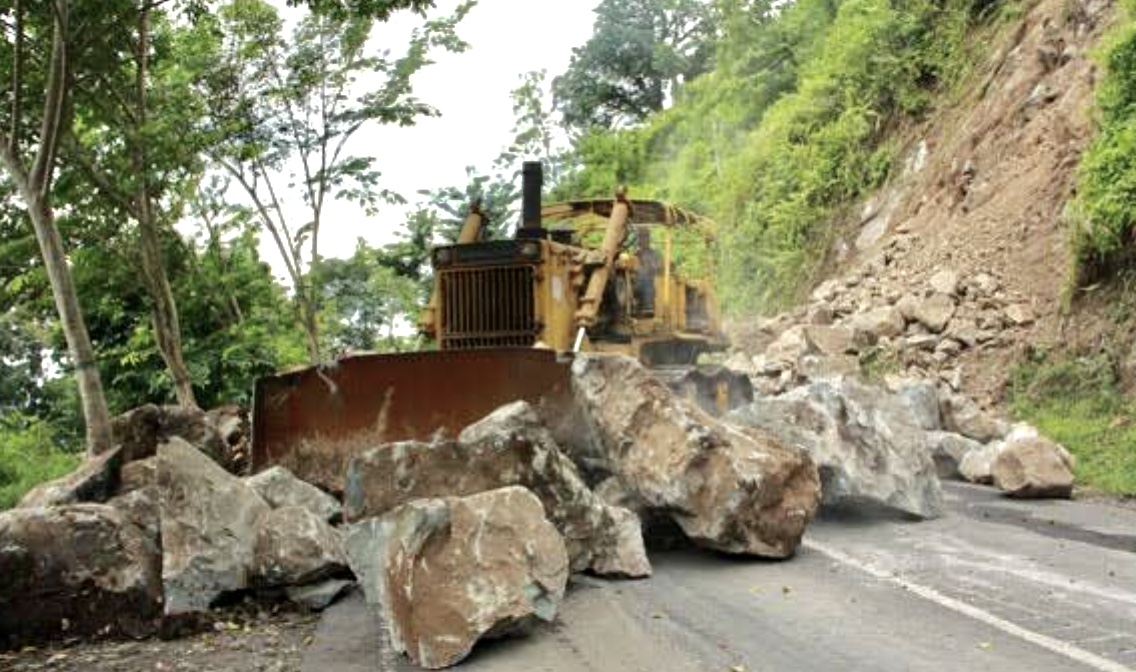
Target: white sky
[(471, 90)]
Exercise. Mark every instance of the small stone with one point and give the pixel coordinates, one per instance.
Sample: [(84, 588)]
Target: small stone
[(1020, 314), (945, 282)]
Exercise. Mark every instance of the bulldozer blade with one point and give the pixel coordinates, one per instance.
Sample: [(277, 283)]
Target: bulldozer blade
[(313, 421)]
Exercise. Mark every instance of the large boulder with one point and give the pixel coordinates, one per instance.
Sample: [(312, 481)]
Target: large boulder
[(209, 525), (1033, 467), (866, 441), (448, 572), (508, 447), (221, 433), (75, 570), (728, 489), (94, 481), (280, 488), (294, 547)]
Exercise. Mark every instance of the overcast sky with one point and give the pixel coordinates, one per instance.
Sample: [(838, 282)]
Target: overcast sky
[(471, 90)]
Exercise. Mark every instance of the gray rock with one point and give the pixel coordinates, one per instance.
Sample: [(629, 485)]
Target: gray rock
[(962, 415), (820, 313), (319, 596), (1020, 315), (977, 465), (508, 447), (835, 340), (140, 507), (821, 367), (922, 399), (935, 312), (867, 442), (279, 488), (76, 570), (949, 450), (881, 323), (209, 525), (945, 282), (448, 572), (95, 481), (295, 546), (728, 489)]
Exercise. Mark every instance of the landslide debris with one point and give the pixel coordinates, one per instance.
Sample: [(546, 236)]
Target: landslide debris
[(448, 572)]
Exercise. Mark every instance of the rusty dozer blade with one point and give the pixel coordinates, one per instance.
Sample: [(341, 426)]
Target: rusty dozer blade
[(315, 420)]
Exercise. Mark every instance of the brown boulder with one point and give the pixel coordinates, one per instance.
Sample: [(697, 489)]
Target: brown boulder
[(728, 489), (75, 570), (508, 447), (1033, 468), (220, 433), (448, 572), (94, 481)]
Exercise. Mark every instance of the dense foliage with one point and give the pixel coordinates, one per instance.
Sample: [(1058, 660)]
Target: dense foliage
[(1104, 214), (790, 126)]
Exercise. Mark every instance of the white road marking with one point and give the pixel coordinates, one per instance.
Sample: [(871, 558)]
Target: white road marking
[(1066, 649)]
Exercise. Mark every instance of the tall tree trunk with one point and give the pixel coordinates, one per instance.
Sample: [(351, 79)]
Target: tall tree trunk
[(34, 186), (95, 410), (167, 330)]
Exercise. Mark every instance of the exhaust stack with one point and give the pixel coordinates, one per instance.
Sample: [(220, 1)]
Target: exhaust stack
[(533, 185)]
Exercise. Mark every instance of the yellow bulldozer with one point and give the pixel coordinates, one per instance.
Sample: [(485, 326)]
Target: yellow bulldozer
[(505, 318)]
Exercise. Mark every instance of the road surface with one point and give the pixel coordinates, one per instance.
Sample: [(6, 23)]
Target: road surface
[(994, 585)]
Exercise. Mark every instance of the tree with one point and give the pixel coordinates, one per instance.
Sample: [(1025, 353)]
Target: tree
[(131, 144), (366, 302), (495, 193), (288, 108), (28, 152), (638, 55)]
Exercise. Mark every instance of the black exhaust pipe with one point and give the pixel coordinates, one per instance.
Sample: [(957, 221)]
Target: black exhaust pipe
[(533, 176)]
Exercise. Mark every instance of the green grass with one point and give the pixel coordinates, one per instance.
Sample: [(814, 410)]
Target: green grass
[(29, 455), (1076, 402)]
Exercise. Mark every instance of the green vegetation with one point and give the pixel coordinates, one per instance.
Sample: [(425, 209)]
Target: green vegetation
[(29, 455), (1077, 402), (1104, 213), (789, 128)]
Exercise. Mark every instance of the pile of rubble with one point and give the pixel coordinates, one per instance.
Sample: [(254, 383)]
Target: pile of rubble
[(886, 442), (920, 330), (454, 540)]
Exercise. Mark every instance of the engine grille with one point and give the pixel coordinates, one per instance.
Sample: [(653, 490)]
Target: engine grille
[(487, 308)]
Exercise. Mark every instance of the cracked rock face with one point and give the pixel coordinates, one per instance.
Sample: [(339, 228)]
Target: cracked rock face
[(868, 443), (76, 570), (209, 521), (448, 572), (508, 447), (728, 489)]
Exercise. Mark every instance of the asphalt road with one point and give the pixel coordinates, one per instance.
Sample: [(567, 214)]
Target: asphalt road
[(994, 585)]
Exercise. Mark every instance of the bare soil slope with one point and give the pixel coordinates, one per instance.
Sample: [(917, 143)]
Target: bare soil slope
[(986, 181)]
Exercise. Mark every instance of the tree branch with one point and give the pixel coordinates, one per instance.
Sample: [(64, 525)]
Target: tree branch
[(17, 77)]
